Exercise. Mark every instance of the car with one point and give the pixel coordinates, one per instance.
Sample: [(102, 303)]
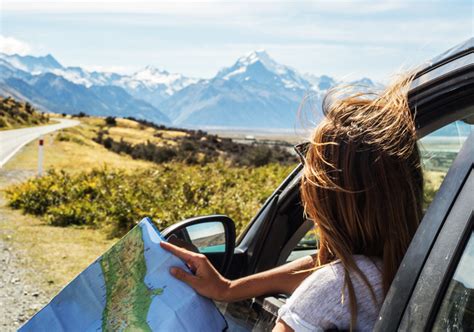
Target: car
[(434, 285)]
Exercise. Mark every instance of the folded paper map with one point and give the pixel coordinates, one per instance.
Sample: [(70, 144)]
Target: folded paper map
[(129, 288)]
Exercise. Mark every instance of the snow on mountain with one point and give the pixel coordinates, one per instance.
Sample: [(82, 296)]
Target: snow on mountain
[(48, 64), (259, 66), (7, 67), (83, 77), (33, 65), (321, 83), (52, 87), (153, 85), (152, 78), (51, 92), (256, 91), (146, 84)]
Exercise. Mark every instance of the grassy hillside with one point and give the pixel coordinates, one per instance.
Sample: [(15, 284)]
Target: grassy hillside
[(161, 144), (73, 150), (14, 114)]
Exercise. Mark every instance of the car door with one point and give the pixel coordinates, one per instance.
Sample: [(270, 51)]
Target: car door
[(259, 248), (434, 287)]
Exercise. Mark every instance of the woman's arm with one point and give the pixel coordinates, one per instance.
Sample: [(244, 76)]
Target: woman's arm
[(283, 279), (207, 281), (281, 326)]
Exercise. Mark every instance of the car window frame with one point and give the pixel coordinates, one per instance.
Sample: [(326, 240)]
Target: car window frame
[(467, 237), (413, 263), (441, 263)]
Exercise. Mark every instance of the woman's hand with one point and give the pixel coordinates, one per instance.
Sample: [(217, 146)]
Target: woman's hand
[(205, 280)]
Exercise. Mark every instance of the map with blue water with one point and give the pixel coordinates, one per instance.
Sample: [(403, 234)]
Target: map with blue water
[(129, 288)]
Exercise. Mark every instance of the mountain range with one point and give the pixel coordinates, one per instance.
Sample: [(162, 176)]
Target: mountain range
[(254, 92)]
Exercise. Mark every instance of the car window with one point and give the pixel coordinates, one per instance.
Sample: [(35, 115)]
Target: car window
[(456, 312), (306, 246), (438, 151)]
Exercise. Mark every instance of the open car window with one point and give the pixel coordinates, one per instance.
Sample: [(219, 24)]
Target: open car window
[(438, 151), (306, 246)]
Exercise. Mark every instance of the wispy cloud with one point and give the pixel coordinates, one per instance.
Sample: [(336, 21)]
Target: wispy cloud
[(10, 45), (204, 8), (365, 37)]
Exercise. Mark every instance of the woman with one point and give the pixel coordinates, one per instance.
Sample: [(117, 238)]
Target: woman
[(362, 186)]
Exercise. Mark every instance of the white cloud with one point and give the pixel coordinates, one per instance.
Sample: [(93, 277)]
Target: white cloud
[(10, 45)]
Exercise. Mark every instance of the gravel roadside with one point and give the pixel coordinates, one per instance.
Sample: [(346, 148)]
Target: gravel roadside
[(20, 294)]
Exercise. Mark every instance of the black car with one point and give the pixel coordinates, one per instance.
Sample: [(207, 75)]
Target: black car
[(434, 286)]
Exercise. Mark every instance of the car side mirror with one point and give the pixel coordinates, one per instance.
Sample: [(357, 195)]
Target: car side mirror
[(213, 236)]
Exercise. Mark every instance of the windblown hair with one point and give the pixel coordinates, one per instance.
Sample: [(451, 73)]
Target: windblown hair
[(362, 182)]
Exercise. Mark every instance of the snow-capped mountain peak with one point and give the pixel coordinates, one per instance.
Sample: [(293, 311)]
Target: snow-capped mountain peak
[(152, 78), (255, 58), (264, 58), (259, 66), (149, 78), (320, 83), (32, 64)]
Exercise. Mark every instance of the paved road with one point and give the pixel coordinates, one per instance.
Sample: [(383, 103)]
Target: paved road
[(11, 141)]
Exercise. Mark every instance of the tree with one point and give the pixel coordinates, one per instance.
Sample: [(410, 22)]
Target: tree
[(110, 121), (28, 108)]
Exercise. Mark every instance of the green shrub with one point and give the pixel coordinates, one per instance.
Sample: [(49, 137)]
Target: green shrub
[(116, 200), (64, 137), (110, 121)]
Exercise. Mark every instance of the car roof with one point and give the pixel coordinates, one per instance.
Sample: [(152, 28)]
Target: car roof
[(453, 53), (442, 90), (454, 59)]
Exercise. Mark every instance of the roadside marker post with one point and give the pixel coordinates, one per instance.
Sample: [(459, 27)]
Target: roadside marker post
[(40, 155)]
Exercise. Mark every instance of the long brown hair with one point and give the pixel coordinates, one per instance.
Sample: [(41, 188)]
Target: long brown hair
[(362, 182)]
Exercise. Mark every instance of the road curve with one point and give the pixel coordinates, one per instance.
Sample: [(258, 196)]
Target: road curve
[(11, 141)]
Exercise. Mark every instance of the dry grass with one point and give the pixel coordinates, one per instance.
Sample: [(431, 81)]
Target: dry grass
[(433, 179), (134, 136), (52, 256), (28, 125), (55, 255), (73, 150), (135, 133)]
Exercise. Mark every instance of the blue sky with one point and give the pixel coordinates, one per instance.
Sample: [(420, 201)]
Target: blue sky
[(197, 38)]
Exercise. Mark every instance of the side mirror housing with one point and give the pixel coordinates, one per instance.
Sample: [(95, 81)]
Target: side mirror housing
[(213, 236)]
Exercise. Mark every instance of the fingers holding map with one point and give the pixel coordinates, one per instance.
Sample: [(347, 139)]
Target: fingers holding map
[(129, 288)]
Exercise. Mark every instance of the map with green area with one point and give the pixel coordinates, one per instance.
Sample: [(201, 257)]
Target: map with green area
[(129, 288), (128, 298)]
